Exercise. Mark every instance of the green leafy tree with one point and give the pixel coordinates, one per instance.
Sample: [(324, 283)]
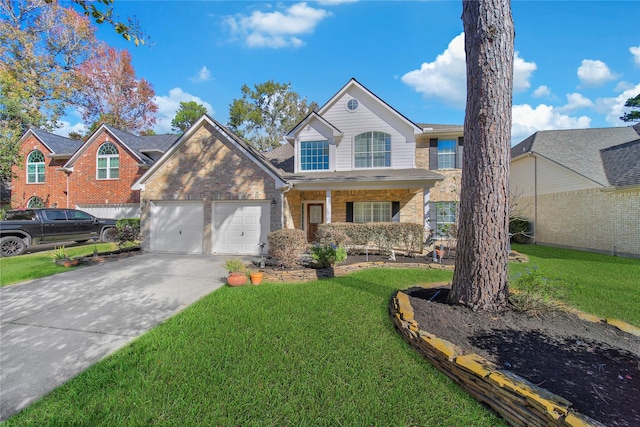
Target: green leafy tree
[(480, 275), (41, 47), (633, 115), (263, 116), (188, 113)]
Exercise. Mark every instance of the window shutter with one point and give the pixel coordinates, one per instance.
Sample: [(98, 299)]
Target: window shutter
[(433, 217), (433, 153), (395, 211), (349, 211), (460, 152)]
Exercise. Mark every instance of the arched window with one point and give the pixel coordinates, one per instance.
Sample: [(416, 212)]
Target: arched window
[(35, 167), (35, 202), (108, 161)]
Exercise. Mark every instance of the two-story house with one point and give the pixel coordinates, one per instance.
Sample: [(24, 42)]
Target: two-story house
[(355, 159), (95, 175)]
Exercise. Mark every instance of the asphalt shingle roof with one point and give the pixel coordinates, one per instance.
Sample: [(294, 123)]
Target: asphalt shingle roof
[(579, 149), (58, 144), (622, 164), (140, 144)]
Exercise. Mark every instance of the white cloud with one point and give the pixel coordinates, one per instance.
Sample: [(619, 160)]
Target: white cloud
[(575, 101), (635, 51), (66, 128), (542, 92), (595, 73), (445, 78), (169, 105), (276, 29), (614, 107), (204, 75), (528, 120)]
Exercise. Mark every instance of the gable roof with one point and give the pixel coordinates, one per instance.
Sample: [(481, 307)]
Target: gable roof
[(55, 143), (622, 164), (577, 149), (313, 116), (137, 146), (282, 157), (353, 83), (253, 154)]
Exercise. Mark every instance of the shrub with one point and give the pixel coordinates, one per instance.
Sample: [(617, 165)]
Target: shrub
[(383, 236), (287, 245), (328, 255), (534, 293), (519, 229), (127, 230)]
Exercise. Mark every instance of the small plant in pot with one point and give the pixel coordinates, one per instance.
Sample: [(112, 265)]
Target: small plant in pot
[(60, 257), (237, 272)]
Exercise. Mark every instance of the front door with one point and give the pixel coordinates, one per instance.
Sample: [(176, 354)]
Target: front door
[(315, 215)]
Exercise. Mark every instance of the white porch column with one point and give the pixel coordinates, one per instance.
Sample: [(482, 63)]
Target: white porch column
[(327, 207)]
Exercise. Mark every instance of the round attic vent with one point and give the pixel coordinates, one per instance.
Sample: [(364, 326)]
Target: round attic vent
[(352, 105)]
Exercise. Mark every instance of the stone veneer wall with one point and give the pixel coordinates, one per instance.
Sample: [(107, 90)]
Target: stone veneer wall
[(594, 220), (520, 402)]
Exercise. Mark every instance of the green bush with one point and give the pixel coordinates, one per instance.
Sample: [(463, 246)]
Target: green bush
[(382, 236), (519, 229), (127, 230), (328, 255), (287, 245)]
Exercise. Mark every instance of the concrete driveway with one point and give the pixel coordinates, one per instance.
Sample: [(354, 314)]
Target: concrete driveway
[(52, 329)]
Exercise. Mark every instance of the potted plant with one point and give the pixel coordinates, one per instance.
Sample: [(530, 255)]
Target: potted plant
[(256, 277), (60, 258), (236, 269)]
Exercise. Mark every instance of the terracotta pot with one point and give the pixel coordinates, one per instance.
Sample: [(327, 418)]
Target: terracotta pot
[(66, 262), (256, 278), (236, 279), (439, 253)]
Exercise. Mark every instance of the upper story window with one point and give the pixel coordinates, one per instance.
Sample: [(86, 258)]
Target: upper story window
[(35, 167), (108, 161), (314, 155), (352, 105), (446, 154), (372, 150)]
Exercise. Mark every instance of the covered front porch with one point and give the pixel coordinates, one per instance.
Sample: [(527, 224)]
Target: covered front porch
[(356, 198)]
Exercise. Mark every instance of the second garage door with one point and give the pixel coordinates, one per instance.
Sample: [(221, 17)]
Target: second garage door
[(240, 227)]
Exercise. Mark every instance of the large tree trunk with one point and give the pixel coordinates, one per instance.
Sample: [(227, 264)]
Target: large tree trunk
[(480, 277)]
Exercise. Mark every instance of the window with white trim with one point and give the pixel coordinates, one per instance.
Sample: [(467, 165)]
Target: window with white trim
[(35, 167), (445, 216), (446, 153), (372, 212), (35, 202), (108, 161), (314, 155), (372, 150)]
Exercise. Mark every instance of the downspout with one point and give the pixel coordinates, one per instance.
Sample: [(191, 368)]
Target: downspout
[(535, 199)]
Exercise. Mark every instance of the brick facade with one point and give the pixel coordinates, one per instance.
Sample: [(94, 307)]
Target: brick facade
[(593, 220), (208, 168), (81, 186), (52, 191)]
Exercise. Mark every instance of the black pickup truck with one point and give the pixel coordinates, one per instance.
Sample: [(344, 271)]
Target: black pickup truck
[(24, 228)]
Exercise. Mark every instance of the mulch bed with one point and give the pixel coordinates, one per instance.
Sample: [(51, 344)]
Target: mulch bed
[(593, 365)]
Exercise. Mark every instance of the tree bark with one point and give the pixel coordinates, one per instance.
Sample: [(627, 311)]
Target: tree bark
[(480, 277)]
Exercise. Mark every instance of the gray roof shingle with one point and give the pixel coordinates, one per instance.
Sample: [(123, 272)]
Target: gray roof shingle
[(140, 144), (58, 144), (622, 164), (577, 149)]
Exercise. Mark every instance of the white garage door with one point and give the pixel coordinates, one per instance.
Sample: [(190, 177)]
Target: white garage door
[(240, 227), (177, 227)]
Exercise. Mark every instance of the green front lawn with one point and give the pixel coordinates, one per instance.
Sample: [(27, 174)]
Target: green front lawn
[(602, 285), (319, 353), (32, 266), (323, 353)]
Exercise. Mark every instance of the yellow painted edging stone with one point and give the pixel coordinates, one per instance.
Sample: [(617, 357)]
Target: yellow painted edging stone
[(557, 409)]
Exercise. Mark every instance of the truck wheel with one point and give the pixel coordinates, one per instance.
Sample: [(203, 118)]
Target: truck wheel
[(109, 235), (12, 246)]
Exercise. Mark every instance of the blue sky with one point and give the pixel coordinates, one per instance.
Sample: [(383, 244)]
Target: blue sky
[(577, 62)]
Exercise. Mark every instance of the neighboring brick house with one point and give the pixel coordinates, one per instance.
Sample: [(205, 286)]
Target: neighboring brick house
[(355, 159), (580, 188), (95, 175)]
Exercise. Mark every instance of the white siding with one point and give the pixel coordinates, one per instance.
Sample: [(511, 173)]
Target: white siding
[(553, 178), (522, 177), (370, 117)]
